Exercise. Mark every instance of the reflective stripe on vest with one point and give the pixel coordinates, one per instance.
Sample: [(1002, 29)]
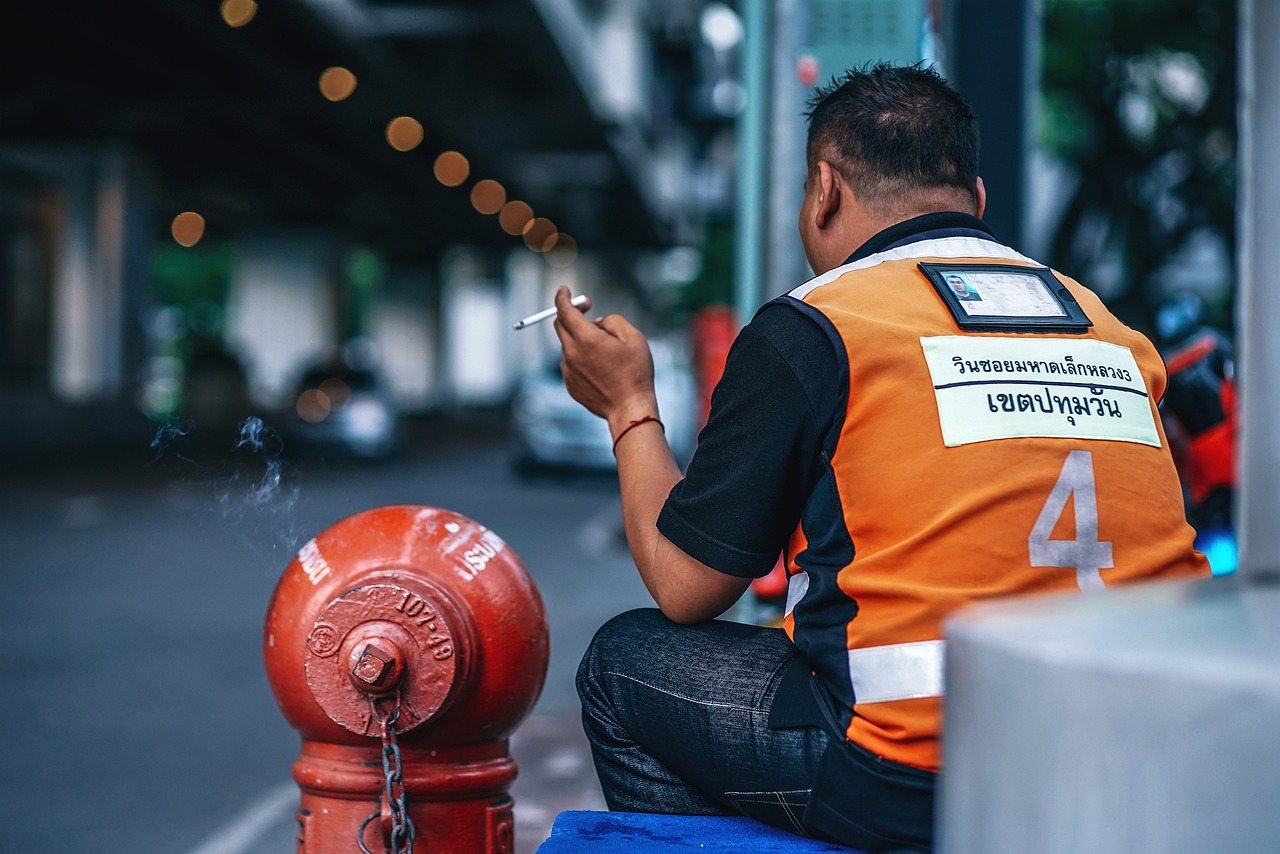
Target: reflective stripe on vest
[(900, 671), (943, 247), (797, 586)]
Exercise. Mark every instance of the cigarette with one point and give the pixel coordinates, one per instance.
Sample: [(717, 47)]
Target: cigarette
[(545, 313)]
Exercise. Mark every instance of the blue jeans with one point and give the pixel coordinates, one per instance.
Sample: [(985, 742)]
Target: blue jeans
[(678, 720)]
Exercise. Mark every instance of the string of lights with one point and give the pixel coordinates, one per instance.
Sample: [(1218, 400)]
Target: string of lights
[(405, 134)]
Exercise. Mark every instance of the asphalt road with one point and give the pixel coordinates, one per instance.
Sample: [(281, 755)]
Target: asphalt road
[(135, 714)]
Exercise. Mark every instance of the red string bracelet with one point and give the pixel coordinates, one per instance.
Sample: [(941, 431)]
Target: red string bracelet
[(633, 425)]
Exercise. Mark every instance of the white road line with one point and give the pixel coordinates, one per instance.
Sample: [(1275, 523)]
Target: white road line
[(246, 829)]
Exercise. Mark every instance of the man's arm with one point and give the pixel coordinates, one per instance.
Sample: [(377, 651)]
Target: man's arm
[(608, 368)]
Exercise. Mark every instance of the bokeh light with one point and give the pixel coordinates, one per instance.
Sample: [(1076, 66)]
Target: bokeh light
[(452, 168), (488, 196), (237, 13), (337, 83), (316, 404), (564, 252), (404, 133), (514, 216), (337, 392), (313, 406), (187, 228), (539, 234)]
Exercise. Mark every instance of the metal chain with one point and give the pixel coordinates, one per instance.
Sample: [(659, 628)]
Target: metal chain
[(397, 827)]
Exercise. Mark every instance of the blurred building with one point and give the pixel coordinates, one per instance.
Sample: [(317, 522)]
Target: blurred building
[(262, 183)]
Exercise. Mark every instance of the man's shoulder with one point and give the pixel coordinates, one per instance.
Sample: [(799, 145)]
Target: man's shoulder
[(791, 328), (782, 314)]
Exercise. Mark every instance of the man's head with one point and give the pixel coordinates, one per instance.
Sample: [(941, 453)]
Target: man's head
[(899, 139), (899, 134)]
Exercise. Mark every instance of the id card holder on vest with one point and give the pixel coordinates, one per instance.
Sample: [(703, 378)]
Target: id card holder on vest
[(1006, 298)]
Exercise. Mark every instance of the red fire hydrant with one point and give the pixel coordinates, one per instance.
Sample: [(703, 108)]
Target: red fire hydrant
[(405, 644)]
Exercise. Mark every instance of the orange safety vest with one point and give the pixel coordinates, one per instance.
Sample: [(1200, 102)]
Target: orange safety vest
[(970, 466)]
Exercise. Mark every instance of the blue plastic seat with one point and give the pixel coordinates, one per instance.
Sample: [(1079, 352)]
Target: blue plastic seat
[(592, 832)]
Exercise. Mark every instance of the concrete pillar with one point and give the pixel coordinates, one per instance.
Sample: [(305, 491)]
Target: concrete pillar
[(784, 263), (994, 61), (93, 333), (282, 308), (404, 326), (529, 289), (474, 329), (1258, 303)]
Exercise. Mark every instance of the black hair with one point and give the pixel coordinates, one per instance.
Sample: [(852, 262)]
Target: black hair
[(894, 129)]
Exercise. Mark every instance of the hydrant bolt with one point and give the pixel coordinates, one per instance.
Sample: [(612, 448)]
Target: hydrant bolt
[(377, 665), (371, 666)]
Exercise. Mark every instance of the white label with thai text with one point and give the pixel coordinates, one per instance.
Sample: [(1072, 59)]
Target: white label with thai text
[(1006, 388)]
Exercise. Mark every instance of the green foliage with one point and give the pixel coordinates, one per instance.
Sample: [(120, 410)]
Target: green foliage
[(1139, 97), (183, 276), (714, 283), (195, 281), (364, 271)]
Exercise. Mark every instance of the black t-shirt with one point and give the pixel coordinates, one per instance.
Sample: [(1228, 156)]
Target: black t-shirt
[(756, 462), (775, 410)]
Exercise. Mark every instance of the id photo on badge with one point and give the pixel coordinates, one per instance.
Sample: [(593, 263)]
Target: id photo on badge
[(960, 286)]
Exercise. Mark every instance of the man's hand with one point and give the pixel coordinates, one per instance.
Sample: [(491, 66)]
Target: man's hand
[(608, 368), (607, 365)]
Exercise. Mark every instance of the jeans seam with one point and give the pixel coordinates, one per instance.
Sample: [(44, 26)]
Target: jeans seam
[(679, 696), (774, 797), (791, 816), (762, 798)]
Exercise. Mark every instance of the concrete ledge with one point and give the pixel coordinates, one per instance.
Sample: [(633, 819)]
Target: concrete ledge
[(1142, 721), (588, 832)]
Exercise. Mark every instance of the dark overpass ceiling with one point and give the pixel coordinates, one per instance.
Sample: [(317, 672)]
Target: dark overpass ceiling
[(233, 125)]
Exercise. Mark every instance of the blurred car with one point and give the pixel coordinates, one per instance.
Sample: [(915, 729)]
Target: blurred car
[(342, 407), (554, 431)]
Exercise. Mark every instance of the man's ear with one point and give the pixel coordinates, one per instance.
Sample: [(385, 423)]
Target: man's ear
[(980, 196), (829, 189)]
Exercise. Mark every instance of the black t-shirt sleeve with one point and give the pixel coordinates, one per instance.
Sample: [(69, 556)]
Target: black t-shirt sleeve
[(758, 456)]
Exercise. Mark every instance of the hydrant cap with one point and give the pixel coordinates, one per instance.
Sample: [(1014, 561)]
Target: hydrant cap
[(416, 603)]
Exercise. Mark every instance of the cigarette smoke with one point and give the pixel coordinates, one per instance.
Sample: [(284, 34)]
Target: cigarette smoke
[(167, 435), (257, 495), (260, 440), (265, 502)]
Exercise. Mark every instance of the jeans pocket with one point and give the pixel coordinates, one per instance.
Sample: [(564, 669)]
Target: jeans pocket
[(779, 809)]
